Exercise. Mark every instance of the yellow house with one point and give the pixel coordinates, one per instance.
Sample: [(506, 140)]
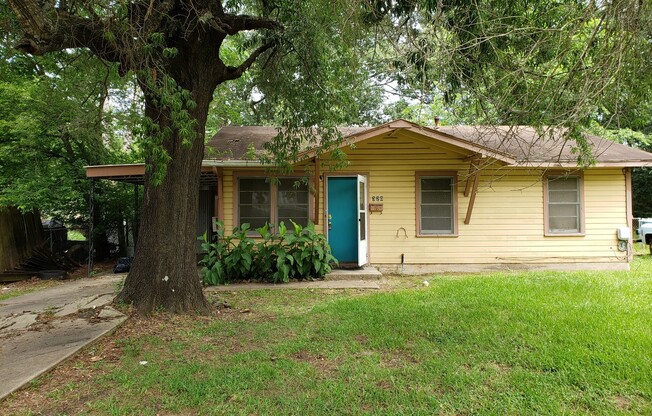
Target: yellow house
[(418, 199)]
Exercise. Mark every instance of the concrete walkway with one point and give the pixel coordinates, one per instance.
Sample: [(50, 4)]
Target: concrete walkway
[(317, 284), (41, 329)]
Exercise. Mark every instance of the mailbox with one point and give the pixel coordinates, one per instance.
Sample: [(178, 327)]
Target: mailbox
[(375, 207)]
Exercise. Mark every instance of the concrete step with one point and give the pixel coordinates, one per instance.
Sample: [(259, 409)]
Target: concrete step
[(360, 273)]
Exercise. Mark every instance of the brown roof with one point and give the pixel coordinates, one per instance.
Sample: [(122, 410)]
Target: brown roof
[(528, 146), (234, 142)]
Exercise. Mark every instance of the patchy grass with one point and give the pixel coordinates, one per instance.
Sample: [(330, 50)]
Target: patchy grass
[(500, 343), (11, 290)]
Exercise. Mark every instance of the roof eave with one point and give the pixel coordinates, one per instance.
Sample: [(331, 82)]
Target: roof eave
[(101, 171), (573, 164), (232, 163)]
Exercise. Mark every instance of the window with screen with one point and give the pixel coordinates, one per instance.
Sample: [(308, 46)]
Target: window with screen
[(436, 205), (255, 201), (564, 205), (292, 201), (262, 201)]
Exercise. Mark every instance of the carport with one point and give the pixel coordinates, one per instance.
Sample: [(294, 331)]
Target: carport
[(210, 190)]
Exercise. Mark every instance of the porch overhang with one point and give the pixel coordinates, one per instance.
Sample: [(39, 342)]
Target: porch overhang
[(135, 173)]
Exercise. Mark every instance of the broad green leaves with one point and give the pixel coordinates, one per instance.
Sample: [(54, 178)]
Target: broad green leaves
[(291, 253)]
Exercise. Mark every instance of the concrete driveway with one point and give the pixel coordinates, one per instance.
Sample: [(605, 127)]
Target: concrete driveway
[(40, 329)]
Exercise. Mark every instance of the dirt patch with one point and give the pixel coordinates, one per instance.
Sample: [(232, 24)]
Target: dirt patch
[(494, 366), (384, 385), (621, 402), (361, 339), (98, 268), (397, 359), (42, 325), (321, 363)]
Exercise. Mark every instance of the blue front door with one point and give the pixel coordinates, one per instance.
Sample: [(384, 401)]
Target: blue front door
[(342, 220)]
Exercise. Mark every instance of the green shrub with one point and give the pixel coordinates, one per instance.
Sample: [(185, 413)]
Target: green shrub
[(295, 253), (227, 258)]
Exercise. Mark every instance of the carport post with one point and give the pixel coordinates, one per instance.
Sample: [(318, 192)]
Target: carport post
[(91, 213), (136, 216)]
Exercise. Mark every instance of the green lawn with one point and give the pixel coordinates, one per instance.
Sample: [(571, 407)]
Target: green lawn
[(495, 344)]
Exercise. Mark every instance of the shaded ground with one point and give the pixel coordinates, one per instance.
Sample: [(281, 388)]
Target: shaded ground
[(9, 290), (42, 328)]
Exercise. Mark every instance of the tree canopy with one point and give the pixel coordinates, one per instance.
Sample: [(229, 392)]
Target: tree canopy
[(59, 113)]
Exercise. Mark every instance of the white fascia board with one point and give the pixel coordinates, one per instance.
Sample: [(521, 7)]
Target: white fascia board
[(232, 163)]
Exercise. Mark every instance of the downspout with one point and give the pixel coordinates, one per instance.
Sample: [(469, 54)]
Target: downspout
[(629, 212)]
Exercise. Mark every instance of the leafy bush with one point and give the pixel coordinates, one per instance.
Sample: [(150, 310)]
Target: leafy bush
[(295, 253), (227, 258)]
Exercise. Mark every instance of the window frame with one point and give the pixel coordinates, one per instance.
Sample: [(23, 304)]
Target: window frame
[(546, 204), (273, 196), (434, 174)]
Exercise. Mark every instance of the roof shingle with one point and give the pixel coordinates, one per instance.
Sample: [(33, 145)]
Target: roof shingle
[(526, 144)]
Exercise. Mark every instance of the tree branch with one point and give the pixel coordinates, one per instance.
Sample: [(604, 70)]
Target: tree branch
[(33, 17), (48, 29), (232, 24), (236, 72)]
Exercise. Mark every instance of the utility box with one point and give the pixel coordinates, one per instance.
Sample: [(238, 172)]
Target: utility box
[(624, 234)]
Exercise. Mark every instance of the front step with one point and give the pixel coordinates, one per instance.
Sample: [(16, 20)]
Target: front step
[(360, 273)]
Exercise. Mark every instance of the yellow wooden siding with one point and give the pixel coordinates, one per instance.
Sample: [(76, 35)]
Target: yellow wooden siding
[(507, 224), (229, 195), (507, 220)]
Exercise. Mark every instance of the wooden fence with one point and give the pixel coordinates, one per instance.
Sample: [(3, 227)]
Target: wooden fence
[(20, 233)]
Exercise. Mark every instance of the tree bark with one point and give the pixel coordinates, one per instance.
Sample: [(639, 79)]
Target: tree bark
[(164, 273)]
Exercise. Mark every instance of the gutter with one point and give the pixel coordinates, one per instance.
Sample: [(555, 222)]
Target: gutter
[(572, 164), (236, 163)]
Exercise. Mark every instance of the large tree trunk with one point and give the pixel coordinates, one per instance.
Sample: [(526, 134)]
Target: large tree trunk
[(164, 272)]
